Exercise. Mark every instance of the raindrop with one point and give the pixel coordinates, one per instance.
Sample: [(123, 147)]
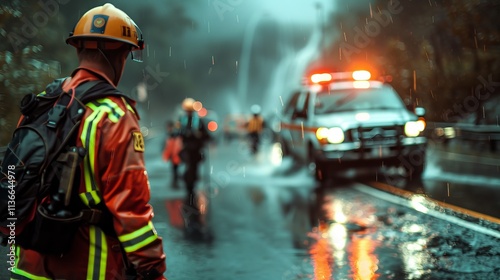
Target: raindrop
[(371, 10), (302, 128), (281, 100), (345, 37), (210, 71), (185, 64), (170, 52), (213, 60), (236, 64), (432, 94), (414, 80), (448, 187), (430, 3)]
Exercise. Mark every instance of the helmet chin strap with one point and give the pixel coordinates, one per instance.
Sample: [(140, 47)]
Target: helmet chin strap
[(115, 78)]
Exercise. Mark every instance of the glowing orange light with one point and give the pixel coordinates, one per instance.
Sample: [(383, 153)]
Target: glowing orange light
[(202, 112), (319, 78), (212, 126), (421, 124), (197, 106), (361, 75)]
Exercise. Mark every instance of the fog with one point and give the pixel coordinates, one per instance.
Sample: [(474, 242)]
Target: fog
[(235, 53)]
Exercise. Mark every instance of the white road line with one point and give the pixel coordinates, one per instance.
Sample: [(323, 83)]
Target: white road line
[(404, 202)]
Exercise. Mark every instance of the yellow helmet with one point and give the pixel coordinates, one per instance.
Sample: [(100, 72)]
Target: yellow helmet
[(108, 24), (187, 104)]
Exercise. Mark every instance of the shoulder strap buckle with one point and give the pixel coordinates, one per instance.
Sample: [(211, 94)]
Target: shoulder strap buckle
[(55, 115)]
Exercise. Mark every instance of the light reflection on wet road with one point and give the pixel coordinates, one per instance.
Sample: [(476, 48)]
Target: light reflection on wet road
[(262, 220), (268, 222)]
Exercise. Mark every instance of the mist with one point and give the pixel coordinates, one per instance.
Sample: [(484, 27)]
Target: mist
[(239, 53)]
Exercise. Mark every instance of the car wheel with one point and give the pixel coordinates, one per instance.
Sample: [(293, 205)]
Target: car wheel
[(318, 168), (414, 166)]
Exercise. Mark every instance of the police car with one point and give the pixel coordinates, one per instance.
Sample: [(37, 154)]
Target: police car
[(346, 119)]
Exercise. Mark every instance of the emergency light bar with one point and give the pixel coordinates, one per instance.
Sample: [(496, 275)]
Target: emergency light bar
[(359, 75)]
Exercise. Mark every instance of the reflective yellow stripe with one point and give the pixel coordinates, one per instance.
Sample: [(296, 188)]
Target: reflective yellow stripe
[(90, 198), (128, 106), (139, 238), (88, 139), (27, 275), (98, 254), (107, 105), (23, 273), (42, 93)]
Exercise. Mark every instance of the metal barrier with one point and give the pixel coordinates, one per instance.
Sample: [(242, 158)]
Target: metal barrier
[(473, 135)]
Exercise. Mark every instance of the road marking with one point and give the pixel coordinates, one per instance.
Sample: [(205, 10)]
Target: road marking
[(405, 198)]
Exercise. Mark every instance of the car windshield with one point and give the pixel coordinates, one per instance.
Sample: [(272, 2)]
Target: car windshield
[(357, 99)]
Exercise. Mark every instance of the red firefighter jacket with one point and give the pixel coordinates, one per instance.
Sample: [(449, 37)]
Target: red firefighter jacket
[(114, 172)]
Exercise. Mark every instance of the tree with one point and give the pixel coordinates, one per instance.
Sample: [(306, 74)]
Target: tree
[(438, 52)]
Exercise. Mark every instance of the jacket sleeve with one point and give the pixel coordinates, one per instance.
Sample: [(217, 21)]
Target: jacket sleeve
[(126, 192)]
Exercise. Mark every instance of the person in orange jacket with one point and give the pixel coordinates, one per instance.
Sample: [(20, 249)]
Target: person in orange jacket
[(113, 173), (173, 146)]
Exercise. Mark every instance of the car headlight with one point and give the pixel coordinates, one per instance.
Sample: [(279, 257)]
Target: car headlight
[(334, 135), (421, 123), (412, 129)]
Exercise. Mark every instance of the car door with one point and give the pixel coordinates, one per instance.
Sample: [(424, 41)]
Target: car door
[(287, 122), (299, 124)]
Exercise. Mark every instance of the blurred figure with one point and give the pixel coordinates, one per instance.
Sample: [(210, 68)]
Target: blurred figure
[(254, 128), (194, 136), (173, 147)]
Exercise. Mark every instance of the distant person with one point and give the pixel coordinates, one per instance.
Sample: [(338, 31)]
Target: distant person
[(254, 128), (194, 136), (173, 147)]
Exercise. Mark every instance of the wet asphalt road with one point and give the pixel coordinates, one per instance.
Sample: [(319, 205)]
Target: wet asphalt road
[(261, 218), (272, 221)]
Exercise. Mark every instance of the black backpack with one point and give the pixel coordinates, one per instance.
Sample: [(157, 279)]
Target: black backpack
[(40, 168)]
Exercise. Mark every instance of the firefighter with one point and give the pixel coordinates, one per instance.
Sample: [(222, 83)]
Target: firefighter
[(194, 137), (113, 174), (173, 146), (254, 128)]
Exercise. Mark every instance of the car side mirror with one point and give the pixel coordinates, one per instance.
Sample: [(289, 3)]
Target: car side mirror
[(419, 111)]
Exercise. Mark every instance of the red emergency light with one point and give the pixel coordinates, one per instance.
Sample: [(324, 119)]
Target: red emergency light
[(358, 75)]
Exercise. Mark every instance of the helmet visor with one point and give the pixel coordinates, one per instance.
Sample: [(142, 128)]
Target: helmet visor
[(136, 55)]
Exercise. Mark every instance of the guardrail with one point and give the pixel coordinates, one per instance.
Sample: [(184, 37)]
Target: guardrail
[(473, 135)]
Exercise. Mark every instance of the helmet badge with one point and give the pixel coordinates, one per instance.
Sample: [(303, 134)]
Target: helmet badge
[(99, 24)]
